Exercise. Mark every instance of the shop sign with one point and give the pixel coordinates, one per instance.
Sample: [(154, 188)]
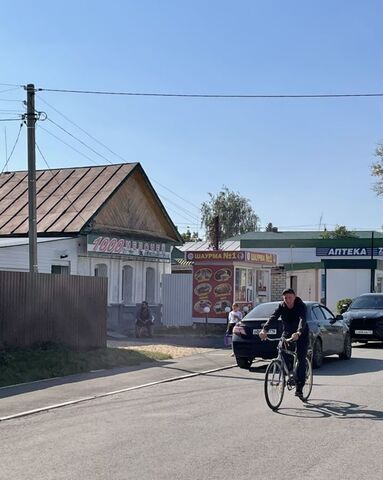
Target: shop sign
[(348, 252), (231, 256), (212, 288), (122, 246), (215, 255)]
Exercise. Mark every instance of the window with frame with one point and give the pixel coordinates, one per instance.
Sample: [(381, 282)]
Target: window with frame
[(150, 285), (243, 287), (127, 284), (101, 270), (60, 269)]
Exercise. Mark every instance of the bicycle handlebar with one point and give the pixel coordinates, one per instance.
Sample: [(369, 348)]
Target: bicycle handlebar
[(288, 340)]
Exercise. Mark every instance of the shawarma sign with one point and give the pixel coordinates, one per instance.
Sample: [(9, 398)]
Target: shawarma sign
[(231, 256)]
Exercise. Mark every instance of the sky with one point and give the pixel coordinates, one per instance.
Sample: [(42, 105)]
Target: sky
[(303, 163)]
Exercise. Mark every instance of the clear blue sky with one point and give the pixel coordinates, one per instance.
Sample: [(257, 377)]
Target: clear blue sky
[(298, 161)]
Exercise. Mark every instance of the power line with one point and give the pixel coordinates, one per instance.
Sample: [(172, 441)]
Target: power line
[(59, 184), (84, 131), (107, 148), (174, 193), (11, 85), (187, 212), (68, 145), (80, 141), (13, 148), (8, 89), (207, 95)]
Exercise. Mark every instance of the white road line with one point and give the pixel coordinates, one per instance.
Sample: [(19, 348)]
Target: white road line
[(115, 392)]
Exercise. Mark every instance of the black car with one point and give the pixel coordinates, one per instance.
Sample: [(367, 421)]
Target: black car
[(365, 317), (329, 334)]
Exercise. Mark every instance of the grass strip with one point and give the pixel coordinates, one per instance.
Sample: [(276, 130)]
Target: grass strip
[(48, 361)]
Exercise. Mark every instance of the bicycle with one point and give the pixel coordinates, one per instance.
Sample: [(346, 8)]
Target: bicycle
[(279, 375)]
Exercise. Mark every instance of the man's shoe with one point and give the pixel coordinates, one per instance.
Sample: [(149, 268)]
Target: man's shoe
[(299, 394)]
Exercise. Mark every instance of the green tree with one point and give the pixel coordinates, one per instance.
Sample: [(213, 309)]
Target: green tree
[(377, 170), (340, 231), (189, 236), (234, 212)]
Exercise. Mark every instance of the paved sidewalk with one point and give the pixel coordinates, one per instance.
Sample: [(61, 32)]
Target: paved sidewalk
[(42, 394)]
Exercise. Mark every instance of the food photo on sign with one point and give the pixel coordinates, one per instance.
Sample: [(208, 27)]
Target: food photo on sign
[(212, 287)]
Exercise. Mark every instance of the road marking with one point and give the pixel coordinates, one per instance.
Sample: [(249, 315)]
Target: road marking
[(108, 394)]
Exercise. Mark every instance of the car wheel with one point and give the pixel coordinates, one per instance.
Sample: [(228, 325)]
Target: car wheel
[(317, 354), (244, 362), (347, 350)]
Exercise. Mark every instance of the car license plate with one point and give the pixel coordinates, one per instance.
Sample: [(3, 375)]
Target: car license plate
[(364, 332), (272, 331)]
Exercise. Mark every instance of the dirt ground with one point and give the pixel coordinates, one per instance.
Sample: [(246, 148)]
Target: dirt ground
[(173, 350), (175, 347)]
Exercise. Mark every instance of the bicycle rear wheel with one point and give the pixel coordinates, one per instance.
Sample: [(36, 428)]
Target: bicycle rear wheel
[(308, 381), (274, 384)]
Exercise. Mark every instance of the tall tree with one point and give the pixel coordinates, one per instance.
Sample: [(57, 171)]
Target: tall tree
[(234, 212), (377, 170)]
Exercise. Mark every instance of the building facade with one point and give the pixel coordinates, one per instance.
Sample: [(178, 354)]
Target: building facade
[(102, 221)]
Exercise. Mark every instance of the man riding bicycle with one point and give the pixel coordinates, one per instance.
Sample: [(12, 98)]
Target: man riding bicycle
[(292, 311)]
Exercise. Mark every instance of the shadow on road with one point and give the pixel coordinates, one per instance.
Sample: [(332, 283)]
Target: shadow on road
[(335, 366), (321, 408), (13, 390)]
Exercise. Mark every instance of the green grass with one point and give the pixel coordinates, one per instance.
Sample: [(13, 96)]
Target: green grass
[(48, 361)]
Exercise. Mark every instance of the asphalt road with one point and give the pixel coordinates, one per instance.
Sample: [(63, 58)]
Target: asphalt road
[(212, 426)]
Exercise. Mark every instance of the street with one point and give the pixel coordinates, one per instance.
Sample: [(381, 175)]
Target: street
[(212, 426)]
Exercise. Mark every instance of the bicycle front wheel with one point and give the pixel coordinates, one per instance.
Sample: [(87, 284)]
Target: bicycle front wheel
[(274, 384), (308, 380)]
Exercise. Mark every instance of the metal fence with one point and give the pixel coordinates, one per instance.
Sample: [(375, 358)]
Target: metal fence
[(66, 309)]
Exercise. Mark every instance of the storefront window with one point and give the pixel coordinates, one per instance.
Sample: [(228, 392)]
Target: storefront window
[(262, 283), (241, 284)]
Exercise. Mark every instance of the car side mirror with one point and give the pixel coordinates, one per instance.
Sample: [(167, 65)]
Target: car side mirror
[(339, 317)]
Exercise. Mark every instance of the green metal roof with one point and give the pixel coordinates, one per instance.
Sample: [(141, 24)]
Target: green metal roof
[(305, 239)]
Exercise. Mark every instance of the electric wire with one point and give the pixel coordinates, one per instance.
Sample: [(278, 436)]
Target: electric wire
[(208, 95), (184, 210), (107, 148), (174, 193), (11, 85), (59, 184), (13, 148), (9, 89), (80, 128), (9, 119), (78, 140), (68, 145)]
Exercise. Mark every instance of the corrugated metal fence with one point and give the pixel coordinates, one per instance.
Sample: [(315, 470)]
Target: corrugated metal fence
[(66, 309), (177, 299)]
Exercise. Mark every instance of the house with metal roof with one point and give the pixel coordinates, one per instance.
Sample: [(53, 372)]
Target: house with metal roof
[(99, 220), (320, 267)]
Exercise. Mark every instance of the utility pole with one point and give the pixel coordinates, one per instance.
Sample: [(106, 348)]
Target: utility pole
[(216, 232), (31, 139), (372, 276)]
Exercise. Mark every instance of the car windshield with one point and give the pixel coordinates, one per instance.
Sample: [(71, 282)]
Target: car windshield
[(263, 310), (367, 301)]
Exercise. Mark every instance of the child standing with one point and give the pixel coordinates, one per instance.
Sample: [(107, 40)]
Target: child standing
[(234, 316)]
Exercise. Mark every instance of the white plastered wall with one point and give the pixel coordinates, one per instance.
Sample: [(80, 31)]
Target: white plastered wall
[(346, 283)]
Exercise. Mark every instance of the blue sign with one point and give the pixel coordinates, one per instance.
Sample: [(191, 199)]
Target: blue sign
[(348, 252)]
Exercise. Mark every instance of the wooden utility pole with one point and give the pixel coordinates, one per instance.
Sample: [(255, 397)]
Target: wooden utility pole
[(31, 140)]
